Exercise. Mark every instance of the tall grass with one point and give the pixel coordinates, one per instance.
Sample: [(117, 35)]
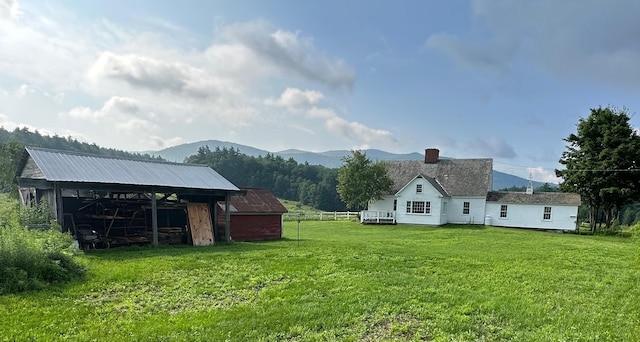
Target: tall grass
[(348, 282), (33, 259)]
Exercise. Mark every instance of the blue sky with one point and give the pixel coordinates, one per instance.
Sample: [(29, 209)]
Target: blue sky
[(485, 78)]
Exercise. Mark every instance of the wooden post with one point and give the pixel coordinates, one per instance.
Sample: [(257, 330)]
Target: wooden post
[(154, 217), (214, 214), (227, 217), (58, 204)]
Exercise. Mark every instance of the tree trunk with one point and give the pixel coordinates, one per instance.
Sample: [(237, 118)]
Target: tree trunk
[(593, 218), (608, 212)]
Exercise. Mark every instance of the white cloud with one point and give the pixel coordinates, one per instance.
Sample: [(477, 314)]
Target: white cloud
[(10, 125), (543, 175), (10, 9), (128, 87), (25, 89), (353, 131), (305, 102), (123, 113), (289, 52), (156, 75), (295, 99)]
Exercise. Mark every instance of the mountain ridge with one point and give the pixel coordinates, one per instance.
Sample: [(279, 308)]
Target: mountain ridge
[(331, 159)]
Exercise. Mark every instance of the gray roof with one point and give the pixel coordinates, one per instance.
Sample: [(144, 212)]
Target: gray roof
[(65, 166), (434, 183), (558, 198), (458, 177)]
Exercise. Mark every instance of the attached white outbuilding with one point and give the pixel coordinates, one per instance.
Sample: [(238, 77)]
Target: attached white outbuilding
[(544, 210)]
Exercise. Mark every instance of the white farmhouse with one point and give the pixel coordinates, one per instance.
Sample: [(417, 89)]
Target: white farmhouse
[(440, 191)]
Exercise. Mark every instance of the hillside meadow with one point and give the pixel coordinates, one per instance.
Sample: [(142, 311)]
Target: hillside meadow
[(348, 282)]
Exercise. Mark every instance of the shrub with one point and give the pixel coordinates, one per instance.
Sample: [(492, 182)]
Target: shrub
[(38, 215), (33, 259), (635, 229)]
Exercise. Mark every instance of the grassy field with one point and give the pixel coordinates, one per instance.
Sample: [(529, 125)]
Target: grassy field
[(349, 282)]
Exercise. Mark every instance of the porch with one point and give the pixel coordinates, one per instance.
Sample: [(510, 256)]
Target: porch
[(377, 217)]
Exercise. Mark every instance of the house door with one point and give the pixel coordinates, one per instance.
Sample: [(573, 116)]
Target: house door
[(200, 224)]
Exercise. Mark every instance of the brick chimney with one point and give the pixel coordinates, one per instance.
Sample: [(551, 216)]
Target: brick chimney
[(431, 155)]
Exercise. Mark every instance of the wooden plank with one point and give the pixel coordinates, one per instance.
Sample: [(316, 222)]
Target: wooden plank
[(200, 224), (154, 218)]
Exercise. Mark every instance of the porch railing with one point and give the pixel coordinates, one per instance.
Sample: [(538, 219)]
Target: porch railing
[(378, 216)]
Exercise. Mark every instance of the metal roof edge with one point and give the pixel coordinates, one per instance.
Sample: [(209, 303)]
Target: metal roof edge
[(104, 156)]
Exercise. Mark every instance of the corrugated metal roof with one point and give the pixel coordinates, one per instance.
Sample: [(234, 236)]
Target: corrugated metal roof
[(561, 198), (65, 166)]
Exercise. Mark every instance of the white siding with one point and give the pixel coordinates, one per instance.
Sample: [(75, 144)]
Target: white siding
[(428, 194), (385, 204), (563, 217), (476, 210)]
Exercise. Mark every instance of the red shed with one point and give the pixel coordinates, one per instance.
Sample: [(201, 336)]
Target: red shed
[(256, 216)]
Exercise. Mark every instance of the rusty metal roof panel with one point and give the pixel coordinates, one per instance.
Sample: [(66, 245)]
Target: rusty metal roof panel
[(257, 200), (65, 166)]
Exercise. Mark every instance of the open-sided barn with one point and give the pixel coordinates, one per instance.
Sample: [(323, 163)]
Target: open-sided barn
[(112, 200), (258, 215)]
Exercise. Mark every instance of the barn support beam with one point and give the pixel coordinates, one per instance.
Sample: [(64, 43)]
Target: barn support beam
[(213, 212), (57, 195), (154, 217), (227, 217)]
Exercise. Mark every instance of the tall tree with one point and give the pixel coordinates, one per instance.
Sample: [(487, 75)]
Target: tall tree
[(360, 180), (10, 153), (601, 163)]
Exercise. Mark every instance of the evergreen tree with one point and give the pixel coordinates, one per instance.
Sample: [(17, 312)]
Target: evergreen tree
[(600, 163)]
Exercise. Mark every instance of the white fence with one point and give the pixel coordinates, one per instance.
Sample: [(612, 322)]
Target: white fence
[(321, 216)]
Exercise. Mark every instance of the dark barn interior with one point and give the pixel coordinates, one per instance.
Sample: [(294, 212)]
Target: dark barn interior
[(108, 201)]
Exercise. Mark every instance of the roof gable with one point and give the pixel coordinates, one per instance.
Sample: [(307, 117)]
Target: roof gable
[(65, 166), (434, 183), (457, 177), (548, 198)]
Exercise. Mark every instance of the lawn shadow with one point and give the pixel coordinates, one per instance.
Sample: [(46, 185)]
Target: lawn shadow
[(146, 251), (464, 226)]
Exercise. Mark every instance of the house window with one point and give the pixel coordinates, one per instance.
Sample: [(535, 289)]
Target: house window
[(465, 208), (444, 208), (395, 204), (418, 207), (547, 214), (503, 211), (418, 188)]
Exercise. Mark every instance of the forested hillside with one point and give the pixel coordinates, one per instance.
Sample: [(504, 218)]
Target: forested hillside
[(310, 184), (12, 144), (27, 138)]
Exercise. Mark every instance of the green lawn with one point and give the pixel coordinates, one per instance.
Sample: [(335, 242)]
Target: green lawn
[(349, 282)]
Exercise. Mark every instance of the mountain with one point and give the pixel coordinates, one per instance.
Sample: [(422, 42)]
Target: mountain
[(178, 153), (331, 159)]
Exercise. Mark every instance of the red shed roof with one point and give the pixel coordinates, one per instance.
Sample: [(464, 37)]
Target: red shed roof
[(257, 200)]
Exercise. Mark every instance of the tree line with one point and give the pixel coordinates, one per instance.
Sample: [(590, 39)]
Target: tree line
[(12, 144), (313, 185)]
